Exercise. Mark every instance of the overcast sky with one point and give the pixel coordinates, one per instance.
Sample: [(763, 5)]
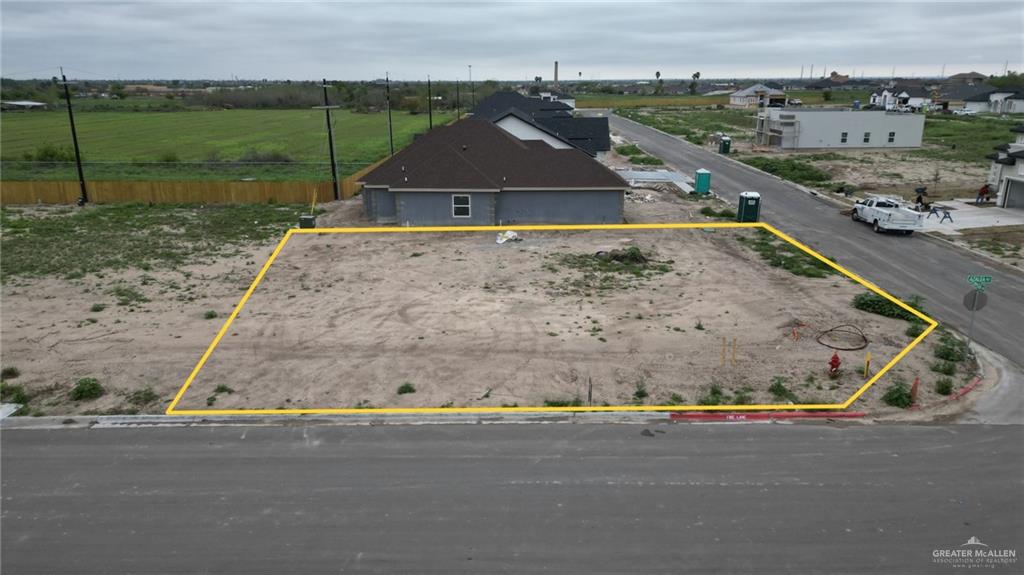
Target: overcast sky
[(508, 41)]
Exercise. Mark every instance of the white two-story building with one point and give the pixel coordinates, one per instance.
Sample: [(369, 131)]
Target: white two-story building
[(1006, 176)]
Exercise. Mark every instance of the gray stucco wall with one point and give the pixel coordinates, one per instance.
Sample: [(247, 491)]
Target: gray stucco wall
[(435, 209), (379, 205), (559, 207)]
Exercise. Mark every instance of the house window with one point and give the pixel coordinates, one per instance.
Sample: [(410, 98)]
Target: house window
[(867, 137), (460, 206), (892, 137), (842, 138)]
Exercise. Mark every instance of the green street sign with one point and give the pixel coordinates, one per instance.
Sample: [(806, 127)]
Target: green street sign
[(979, 282)]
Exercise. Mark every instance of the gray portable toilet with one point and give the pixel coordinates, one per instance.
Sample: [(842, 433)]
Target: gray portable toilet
[(724, 145), (702, 181), (749, 208)]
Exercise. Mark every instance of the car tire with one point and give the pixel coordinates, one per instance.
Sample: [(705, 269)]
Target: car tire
[(853, 216), (877, 228), (908, 233)]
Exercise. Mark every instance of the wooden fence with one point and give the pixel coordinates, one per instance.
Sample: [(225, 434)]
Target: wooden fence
[(197, 192)]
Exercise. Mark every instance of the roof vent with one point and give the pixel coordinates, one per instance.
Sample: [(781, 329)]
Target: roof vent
[(403, 168), (464, 147), (504, 179), (406, 178)]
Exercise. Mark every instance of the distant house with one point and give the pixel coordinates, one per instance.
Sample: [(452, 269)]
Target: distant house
[(997, 101), (475, 172), (757, 95), (552, 117), (811, 128), (22, 105), (1006, 176), (969, 78), (558, 97), (915, 97)]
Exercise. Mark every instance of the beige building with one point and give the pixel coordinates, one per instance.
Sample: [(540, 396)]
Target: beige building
[(810, 128)]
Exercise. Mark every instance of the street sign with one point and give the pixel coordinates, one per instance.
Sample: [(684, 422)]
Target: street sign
[(975, 300), (979, 282)]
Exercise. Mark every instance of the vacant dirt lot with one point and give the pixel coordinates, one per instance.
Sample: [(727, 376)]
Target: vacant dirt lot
[(345, 320)]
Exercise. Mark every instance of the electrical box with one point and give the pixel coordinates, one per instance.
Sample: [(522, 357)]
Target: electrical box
[(307, 221)]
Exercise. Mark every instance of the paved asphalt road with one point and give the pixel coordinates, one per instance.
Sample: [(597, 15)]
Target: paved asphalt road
[(899, 264), (557, 498)]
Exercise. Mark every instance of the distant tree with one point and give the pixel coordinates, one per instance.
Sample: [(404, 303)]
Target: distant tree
[(827, 95), (581, 75), (657, 75), (660, 86), (693, 83), (1010, 80)]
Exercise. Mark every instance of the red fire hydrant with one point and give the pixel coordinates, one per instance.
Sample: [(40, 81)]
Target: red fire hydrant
[(833, 365)]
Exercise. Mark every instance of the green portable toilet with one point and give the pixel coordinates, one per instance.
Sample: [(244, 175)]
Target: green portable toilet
[(724, 145), (749, 208), (702, 181)]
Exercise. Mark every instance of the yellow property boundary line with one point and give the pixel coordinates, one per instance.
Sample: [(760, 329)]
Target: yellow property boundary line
[(172, 409)]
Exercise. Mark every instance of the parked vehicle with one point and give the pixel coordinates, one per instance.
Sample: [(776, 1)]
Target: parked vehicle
[(887, 214), (796, 102), (965, 112)]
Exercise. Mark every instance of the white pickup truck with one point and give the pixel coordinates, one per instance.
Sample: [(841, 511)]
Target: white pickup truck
[(885, 214)]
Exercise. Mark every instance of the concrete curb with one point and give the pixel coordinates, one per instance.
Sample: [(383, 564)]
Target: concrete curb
[(765, 415)]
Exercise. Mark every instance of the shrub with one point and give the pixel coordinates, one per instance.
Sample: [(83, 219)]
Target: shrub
[(223, 389), (51, 153), (915, 329), (169, 157), (874, 303), (640, 393), (574, 402), (268, 157), (9, 372), (86, 388), (143, 397), (406, 388), (97, 307), (779, 390), (897, 395), (944, 367), (629, 150), (210, 315), (645, 160), (950, 348), (944, 386), (714, 396), (13, 394), (675, 399)]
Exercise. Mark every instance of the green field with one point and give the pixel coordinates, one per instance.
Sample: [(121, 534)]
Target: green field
[(809, 97), (963, 138), (201, 144), (694, 125)]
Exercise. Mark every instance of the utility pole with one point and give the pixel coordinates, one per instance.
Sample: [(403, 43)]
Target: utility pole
[(387, 95), (84, 197), (472, 88), (330, 142), (430, 107), (458, 109)]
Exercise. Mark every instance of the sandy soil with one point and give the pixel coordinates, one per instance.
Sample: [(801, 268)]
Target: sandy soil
[(342, 321)]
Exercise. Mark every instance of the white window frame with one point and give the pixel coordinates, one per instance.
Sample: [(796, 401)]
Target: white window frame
[(468, 206), (892, 137), (867, 137), (843, 137)]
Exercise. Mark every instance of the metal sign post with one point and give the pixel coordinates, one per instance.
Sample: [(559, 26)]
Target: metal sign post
[(975, 300)]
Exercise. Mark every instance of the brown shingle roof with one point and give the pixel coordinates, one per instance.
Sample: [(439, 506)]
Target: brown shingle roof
[(474, 154)]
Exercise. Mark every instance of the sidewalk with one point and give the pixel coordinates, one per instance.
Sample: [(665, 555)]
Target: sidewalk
[(966, 215)]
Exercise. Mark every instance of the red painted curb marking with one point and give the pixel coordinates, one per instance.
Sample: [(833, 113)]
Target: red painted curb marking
[(764, 415), (967, 388)]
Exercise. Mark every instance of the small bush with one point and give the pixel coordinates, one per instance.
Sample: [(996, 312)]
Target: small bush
[(779, 390), (406, 388), (13, 394), (97, 307), (87, 388), (645, 160), (951, 348), (51, 153), (127, 295), (210, 314), (640, 393), (915, 329), (675, 399), (944, 386), (874, 303), (897, 395), (169, 158), (790, 169), (267, 157), (9, 372), (944, 367), (574, 402), (223, 389), (714, 396), (724, 213), (629, 150), (143, 397)]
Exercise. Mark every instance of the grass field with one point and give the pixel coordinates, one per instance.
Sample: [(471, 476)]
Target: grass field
[(964, 139), (809, 97), (131, 145), (694, 125)]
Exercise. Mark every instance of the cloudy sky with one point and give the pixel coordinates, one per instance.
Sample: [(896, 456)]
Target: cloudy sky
[(506, 40)]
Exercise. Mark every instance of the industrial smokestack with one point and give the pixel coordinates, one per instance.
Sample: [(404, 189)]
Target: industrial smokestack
[(556, 74)]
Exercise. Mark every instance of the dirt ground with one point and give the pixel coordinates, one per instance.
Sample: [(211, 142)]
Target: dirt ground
[(343, 321)]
